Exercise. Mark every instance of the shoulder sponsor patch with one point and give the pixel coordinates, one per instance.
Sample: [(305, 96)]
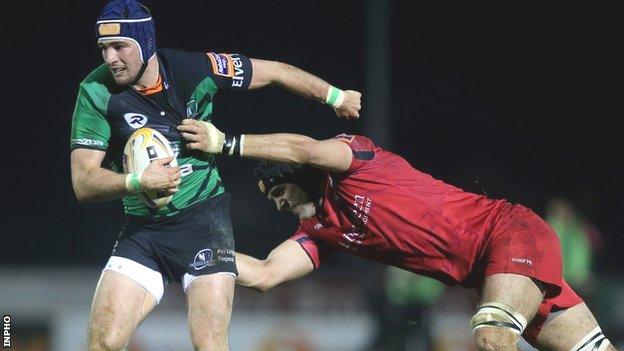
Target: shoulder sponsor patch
[(345, 137), (87, 142), (222, 64), (239, 72)]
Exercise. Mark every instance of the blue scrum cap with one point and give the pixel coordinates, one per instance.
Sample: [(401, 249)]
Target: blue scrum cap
[(129, 20)]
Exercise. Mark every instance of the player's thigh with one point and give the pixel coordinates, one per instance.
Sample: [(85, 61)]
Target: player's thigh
[(119, 305), (520, 294), (517, 291), (568, 328), (210, 305)]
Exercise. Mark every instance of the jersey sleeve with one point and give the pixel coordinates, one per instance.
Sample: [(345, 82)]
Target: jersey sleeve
[(316, 249), (230, 71), (362, 148), (90, 129)]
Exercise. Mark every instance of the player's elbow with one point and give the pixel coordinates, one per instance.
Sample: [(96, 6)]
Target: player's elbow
[(83, 196), (79, 180), (269, 278), (81, 191), (262, 288)]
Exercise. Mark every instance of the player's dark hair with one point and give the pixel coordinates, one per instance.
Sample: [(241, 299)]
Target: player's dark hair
[(309, 179)]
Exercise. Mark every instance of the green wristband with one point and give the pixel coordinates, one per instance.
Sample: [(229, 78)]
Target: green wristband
[(133, 183), (335, 96)]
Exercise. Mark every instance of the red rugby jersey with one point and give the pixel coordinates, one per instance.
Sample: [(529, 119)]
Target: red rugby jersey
[(385, 210)]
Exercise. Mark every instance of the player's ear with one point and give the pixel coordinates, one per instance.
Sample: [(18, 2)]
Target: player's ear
[(262, 187)]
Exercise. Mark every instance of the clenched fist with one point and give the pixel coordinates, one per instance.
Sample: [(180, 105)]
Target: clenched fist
[(351, 105)]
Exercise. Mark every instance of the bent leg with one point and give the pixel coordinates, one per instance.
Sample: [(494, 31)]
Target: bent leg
[(210, 308), (574, 329), (518, 298), (119, 305)]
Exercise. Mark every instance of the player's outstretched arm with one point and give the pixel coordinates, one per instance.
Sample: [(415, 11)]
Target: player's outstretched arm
[(286, 262), (91, 182), (346, 103), (332, 155)]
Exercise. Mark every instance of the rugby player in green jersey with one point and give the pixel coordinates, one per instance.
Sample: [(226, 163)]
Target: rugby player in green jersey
[(190, 239)]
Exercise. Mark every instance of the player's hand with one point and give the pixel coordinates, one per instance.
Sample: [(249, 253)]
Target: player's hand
[(351, 105), (161, 177), (202, 136)]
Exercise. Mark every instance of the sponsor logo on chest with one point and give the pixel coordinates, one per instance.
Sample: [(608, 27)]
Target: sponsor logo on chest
[(135, 120)]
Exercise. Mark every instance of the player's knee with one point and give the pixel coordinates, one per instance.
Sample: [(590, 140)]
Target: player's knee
[(214, 341), (106, 337), (495, 339), (215, 346), (210, 306), (497, 327), (594, 340), (106, 341), (209, 328)]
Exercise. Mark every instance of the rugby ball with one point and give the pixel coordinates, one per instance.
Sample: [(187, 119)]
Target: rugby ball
[(142, 147)]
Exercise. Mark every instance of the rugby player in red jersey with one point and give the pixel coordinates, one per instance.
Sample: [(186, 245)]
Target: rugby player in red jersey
[(351, 195)]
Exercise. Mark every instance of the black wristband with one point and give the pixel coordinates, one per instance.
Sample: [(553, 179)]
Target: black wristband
[(227, 144), (231, 145), (237, 146)]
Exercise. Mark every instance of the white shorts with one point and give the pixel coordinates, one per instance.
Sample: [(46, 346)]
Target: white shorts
[(149, 279)]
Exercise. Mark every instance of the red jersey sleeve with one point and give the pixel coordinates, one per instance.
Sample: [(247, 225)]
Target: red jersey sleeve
[(363, 149), (316, 249)]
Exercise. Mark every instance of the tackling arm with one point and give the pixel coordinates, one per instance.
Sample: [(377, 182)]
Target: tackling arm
[(332, 155), (286, 262), (346, 103)]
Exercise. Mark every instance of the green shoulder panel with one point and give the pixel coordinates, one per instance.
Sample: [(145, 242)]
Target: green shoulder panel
[(90, 129)]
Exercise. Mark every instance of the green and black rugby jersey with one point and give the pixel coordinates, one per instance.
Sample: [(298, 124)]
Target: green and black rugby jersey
[(106, 114)]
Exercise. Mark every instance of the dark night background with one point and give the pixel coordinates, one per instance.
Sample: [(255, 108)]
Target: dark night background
[(517, 100)]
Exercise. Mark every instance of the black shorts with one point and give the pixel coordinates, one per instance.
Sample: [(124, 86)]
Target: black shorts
[(197, 241)]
